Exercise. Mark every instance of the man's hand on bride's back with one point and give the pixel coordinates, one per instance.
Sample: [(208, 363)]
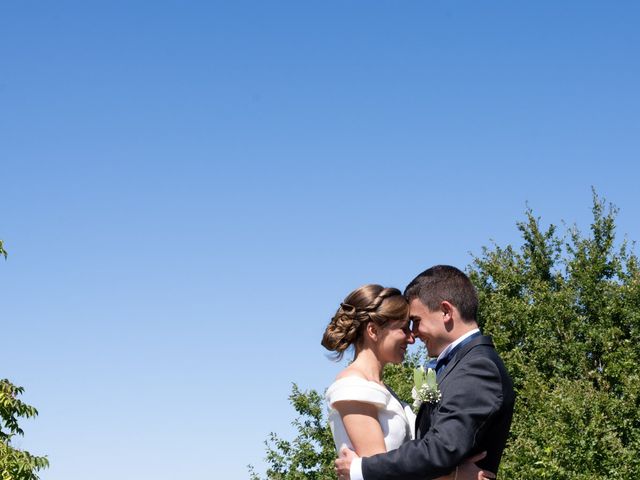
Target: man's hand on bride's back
[(468, 470)]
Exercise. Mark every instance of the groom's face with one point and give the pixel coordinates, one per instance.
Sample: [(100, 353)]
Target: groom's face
[(429, 326)]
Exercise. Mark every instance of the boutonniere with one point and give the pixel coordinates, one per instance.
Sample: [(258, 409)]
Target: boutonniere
[(425, 387)]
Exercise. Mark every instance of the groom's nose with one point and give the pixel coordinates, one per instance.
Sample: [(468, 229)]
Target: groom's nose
[(411, 339)]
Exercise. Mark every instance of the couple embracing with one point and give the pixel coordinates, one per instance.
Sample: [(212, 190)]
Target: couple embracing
[(461, 431)]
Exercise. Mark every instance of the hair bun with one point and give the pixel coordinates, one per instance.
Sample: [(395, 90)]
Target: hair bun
[(368, 303), (348, 309)]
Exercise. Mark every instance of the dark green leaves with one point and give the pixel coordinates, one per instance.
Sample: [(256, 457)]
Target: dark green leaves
[(15, 464), (564, 314)]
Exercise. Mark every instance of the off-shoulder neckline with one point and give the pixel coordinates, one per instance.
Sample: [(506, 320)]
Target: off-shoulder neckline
[(360, 379)]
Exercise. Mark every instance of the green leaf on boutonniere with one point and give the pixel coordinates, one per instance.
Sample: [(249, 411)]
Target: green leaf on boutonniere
[(425, 387), (419, 377), (431, 379)]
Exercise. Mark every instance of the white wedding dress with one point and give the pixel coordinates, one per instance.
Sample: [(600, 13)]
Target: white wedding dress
[(396, 419)]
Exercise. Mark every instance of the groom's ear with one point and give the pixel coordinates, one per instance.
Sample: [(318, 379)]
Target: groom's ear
[(447, 310)]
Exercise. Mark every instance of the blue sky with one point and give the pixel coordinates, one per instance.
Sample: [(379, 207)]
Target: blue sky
[(189, 189)]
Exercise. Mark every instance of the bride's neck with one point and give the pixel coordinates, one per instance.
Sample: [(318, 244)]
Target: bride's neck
[(369, 365)]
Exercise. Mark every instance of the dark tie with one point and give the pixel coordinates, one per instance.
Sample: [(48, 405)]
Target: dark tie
[(433, 363)]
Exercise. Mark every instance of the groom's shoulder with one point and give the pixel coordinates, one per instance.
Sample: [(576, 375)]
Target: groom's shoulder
[(483, 352), (481, 346)]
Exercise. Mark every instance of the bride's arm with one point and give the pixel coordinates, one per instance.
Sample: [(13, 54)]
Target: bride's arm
[(361, 423)]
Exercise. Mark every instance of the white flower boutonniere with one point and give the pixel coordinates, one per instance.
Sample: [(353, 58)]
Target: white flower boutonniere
[(425, 387)]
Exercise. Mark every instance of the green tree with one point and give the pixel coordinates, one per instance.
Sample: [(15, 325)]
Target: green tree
[(310, 455), (15, 464), (564, 313)]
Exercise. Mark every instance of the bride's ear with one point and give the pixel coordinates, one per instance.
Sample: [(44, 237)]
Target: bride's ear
[(372, 331)]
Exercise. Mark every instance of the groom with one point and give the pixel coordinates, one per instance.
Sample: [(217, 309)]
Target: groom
[(474, 412)]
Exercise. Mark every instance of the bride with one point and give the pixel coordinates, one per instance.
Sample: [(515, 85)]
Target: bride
[(364, 413)]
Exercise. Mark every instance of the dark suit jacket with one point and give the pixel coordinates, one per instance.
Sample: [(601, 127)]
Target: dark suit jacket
[(473, 415)]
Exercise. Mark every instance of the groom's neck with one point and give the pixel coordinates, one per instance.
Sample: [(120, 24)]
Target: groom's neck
[(462, 329)]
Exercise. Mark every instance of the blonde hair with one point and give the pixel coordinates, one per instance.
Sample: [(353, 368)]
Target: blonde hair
[(369, 303)]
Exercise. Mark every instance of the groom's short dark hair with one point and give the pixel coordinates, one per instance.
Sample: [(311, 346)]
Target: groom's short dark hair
[(444, 283)]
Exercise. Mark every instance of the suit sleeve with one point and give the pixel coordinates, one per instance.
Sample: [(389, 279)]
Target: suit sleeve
[(472, 397)]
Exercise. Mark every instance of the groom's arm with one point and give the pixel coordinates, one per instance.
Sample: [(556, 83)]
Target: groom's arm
[(472, 397)]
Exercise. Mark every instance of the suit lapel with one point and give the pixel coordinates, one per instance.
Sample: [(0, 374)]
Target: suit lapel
[(426, 409), (481, 340)]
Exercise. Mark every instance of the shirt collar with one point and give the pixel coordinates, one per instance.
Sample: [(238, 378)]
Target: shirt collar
[(453, 344)]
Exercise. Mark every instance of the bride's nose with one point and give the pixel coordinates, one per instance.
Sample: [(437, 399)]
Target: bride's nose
[(411, 339)]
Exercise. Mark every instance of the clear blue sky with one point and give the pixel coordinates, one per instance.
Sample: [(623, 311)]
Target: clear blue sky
[(189, 189)]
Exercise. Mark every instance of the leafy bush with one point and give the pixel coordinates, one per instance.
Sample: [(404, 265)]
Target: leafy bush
[(15, 464)]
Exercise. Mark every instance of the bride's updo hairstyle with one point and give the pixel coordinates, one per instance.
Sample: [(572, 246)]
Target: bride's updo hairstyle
[(369, 303)]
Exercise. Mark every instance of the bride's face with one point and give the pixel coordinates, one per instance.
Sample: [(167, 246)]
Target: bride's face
[(393, 341)]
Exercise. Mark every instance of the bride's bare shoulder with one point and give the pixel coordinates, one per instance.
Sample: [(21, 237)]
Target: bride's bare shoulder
[(350, 371)]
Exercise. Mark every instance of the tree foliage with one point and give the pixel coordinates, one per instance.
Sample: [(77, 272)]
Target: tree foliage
[(564, 313), (15, 464), (310, 455)]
